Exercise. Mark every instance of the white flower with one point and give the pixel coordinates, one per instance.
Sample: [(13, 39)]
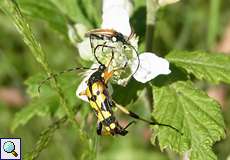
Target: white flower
[(81, 88), (85, 50), (150, 66), (125, 4), (116, 17), (76, 32)]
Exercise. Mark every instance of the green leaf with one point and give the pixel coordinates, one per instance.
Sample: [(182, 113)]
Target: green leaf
[(47, 11), (91, 10), (35, 108), (192, 112), (68, 82), (67, 7), (72, 9), (45, 138), (33, 84), (120, 92), (212, 67), (12, 10)]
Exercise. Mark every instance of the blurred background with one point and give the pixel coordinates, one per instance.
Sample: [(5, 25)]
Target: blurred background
[(186, 25)]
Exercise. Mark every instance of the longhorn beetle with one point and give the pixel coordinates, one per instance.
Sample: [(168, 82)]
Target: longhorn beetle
[(113, 36), (102, 103)]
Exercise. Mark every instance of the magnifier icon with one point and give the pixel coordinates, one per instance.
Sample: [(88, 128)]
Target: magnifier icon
[(9, 147)]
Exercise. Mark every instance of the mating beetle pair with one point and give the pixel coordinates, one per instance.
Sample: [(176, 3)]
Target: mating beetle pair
[(97, 86)]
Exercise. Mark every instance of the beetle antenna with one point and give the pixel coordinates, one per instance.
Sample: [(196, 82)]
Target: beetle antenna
[(62, 72)]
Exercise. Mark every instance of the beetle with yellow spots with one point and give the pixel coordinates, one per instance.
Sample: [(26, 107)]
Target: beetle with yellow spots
[(101, 101)]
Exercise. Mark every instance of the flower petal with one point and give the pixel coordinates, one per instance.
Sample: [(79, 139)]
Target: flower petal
[(82, 88), (125, 4), (84, 49), (116, 18), (76, 32), (150, 67)]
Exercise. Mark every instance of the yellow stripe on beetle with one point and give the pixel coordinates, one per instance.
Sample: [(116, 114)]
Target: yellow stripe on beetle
[(102, 115)]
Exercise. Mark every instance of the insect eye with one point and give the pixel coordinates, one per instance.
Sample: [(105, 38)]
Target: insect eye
[(102, 67), (114, 39)]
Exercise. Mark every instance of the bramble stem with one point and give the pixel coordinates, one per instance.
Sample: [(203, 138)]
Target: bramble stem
[(152, 7), (13, 10)]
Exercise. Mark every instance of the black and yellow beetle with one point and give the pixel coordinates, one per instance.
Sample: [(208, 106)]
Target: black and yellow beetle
[(97, 87), (102, 104)]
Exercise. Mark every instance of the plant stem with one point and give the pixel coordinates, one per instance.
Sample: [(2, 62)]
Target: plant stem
[(152, 7), (213, 22), (45, 138), (149, 38), (24, 28)]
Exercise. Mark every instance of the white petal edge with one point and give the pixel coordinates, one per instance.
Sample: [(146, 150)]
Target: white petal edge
[(150, 67), (125, 4), (84, 49), (81, 88), (116, 18), (81, 29)]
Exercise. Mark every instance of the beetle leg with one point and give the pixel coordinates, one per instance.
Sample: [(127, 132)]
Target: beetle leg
[(99, 128), (136, 116), (129, 124)]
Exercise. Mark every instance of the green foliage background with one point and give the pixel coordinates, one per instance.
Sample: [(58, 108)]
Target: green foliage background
[(57, 124)]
